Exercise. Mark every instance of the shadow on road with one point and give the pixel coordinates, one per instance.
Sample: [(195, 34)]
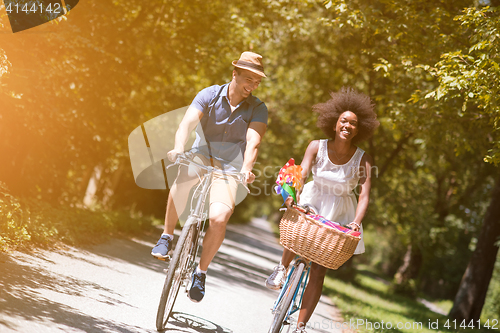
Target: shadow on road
[(20, 298), (230, 268), (184, 322), (34, 291)]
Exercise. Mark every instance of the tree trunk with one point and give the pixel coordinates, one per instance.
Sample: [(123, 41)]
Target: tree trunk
[(410, 268), (90, 194), (471, 293), (111, 185), (394, 154)]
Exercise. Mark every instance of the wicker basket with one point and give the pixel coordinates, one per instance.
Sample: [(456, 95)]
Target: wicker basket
[(314, 241)]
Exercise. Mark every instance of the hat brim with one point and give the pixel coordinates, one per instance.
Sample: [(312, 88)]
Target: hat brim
[(248, 68)]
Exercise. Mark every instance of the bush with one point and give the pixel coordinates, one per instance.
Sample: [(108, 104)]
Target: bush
[(13, 220), (35, 221)]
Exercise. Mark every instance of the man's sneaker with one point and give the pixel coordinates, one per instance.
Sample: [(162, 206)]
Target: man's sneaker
[(197, 290), (162, 248), (276, 280), (299, 330)]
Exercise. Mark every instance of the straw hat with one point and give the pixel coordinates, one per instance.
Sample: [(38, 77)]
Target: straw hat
[(251, 62)]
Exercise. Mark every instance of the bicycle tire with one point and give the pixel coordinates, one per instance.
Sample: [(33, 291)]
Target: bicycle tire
[(286, 301), (175, 273)]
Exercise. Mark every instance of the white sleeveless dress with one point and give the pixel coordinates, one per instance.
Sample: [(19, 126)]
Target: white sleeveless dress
[(331, 192)]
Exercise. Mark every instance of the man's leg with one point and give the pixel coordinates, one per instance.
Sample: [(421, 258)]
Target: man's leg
[(219, 216), (222, 201), (176, 202)]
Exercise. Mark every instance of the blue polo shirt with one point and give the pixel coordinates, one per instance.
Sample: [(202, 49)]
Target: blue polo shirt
[(225, 130)]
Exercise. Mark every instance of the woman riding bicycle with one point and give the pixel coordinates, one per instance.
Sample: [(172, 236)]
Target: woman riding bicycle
[(338, 166)]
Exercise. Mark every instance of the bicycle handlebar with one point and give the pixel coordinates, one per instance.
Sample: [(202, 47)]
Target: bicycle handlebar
[(186, 159)]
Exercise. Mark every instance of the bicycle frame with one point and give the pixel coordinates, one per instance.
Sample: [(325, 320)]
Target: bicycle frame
[(197, 215), (183, 260), (294, 306)]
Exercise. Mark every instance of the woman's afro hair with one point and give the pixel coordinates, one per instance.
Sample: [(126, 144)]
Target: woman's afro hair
[(347, 99)]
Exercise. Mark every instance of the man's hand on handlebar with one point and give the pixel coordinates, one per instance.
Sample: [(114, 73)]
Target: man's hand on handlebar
[(172, 155), (249, 176)]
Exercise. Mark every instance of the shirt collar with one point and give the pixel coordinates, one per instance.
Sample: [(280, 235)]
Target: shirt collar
[(225, 91)]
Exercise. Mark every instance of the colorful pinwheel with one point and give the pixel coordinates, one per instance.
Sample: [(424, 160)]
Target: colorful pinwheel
[(289, 180)]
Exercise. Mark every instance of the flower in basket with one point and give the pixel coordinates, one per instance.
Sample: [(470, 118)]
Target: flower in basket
[(289, 180)]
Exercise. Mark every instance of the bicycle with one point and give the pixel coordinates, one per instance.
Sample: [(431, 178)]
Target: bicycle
[(183, 260), (294, 232), (286, 304)]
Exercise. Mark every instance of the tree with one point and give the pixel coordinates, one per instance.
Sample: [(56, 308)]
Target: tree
[(413, 56), (471, 295), (81, 86), (79, 91), (473, 77)]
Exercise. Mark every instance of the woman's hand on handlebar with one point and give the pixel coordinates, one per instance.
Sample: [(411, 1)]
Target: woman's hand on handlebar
[(289, 201), (354, 226)]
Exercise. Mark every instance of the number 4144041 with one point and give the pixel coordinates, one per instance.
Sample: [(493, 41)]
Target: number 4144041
[(490, 324), (34, 8)]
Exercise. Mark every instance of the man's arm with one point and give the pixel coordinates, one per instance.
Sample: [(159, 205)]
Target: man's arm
[(255, 132), (187, 125)]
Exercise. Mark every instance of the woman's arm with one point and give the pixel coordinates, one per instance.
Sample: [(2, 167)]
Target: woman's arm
[(365, 182), (308, 160), (307, 163)]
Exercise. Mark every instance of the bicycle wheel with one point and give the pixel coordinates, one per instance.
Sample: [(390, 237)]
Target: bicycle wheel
[(175, 274), (286, 301)]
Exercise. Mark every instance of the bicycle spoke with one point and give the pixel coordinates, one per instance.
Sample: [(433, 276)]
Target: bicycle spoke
[(175, 275)]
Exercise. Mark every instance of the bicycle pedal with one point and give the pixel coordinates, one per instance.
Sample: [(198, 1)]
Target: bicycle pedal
[(167, 259)]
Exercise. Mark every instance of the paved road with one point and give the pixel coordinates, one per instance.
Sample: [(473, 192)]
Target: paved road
[(115, 287)]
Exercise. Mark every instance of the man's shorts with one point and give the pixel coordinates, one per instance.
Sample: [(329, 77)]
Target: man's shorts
[(223, 189)]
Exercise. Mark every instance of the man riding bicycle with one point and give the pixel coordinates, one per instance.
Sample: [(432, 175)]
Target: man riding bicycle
[(230, 123)]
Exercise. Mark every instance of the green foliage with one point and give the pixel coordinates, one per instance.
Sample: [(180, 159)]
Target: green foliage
[(368, 299), (471, 75), (4, 63), (433, 186), (383, 249), (31, 222), (430, 67), (407, 288), (13, 220)]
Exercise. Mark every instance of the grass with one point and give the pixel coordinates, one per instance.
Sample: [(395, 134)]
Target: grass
[(444, 304), (368, 305)]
